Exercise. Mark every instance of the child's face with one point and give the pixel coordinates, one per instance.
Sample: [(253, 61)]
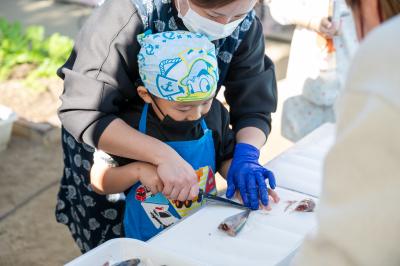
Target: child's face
[(187, 111), (179, 111)]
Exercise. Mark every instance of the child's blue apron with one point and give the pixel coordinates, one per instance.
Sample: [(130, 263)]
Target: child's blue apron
[(145, 214)]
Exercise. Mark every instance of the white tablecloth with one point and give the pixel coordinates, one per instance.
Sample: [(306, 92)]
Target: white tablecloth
[(300, 167), (267, 239)]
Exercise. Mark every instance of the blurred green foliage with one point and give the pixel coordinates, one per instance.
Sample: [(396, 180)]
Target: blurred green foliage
[(30, 46)]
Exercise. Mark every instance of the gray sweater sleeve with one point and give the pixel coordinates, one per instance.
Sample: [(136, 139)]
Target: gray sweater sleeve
[(100, 75)]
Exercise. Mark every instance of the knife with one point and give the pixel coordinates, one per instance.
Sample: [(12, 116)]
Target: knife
[(221, 200)]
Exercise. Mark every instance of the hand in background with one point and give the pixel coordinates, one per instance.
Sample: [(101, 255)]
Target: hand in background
[(323, 26), (327, 28)]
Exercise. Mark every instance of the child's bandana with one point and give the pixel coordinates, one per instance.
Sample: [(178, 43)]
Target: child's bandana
[(178, 65)]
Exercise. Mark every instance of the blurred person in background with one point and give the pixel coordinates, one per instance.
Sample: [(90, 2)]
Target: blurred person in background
[(359, 216), (323, 43)]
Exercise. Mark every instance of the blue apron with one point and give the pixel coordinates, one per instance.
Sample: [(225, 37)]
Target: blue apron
[(146, 214)]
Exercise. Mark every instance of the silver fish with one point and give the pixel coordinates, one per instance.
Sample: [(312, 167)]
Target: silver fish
[(233, 224), (131, 262)]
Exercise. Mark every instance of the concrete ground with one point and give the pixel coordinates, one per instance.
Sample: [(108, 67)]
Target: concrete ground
[(55, 16), (30, 171)]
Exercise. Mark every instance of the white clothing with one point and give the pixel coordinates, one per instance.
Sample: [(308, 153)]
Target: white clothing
[(359, 217)]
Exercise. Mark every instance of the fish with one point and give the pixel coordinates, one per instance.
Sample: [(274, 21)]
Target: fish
[(130, 262), (234, 224), (134, 262), (305, 205)]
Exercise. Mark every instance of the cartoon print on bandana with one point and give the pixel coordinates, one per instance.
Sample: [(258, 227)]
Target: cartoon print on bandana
[(201, 78), (190, 76), (197, 83)]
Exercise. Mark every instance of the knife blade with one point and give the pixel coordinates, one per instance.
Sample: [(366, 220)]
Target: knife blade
[(221, 200)]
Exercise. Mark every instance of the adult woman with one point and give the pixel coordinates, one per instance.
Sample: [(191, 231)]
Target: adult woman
[(100, 80)]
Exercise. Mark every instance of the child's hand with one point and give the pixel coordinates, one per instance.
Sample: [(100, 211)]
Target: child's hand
[(149, 177)]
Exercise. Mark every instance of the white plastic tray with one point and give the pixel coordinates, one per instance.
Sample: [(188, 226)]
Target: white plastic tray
[(120, 249)]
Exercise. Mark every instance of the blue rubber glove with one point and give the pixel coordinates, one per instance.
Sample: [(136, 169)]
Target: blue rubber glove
[(248, 176)]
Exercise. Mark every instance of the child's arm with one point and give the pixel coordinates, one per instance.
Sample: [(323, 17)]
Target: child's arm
[(108, 179)]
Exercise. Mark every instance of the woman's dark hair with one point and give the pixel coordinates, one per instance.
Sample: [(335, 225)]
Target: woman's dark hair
[(388, 8), (212, 3)]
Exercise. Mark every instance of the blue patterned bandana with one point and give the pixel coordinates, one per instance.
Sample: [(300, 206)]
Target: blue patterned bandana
[(178, 65)]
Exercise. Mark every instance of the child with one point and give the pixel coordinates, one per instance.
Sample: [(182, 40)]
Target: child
[(180, 75)]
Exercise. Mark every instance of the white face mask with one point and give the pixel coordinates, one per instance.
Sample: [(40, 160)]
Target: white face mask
[(212, 29)]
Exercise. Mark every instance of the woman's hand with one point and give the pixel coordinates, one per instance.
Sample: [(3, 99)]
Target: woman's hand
[(179, 178)]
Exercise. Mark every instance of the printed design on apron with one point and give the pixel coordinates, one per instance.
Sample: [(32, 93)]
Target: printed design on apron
[(206, 182), (157, 207)]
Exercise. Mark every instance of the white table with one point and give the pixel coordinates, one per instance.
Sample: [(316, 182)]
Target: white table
[(300, 167), (266, 239)]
